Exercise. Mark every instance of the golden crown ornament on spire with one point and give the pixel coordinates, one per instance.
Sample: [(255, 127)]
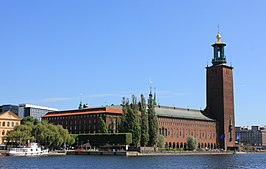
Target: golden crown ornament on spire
[(218, 36)]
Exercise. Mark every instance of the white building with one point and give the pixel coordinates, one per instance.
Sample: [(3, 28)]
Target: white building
[(33, 110)]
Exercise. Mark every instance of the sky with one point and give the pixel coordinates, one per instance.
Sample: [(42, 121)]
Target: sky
[(58, 53)]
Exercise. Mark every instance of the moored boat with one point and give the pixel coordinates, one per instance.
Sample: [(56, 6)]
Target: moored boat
[(32, 150)]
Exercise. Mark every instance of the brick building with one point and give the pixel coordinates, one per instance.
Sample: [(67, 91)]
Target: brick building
[(85, 120), (213, 127), (176, 124)]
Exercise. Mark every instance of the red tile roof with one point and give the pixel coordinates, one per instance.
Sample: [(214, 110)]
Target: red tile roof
[(97, 110)]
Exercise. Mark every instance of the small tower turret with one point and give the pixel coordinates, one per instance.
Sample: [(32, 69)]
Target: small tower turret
[(218, 49)]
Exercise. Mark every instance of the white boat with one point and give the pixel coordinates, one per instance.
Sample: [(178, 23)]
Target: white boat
[(32, 150)]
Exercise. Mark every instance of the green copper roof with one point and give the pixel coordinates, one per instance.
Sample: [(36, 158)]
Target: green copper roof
[(180, 113)]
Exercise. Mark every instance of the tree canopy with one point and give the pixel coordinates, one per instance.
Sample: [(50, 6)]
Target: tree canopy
[(130, 121), (102, 127), (44, 133), (144, 122), (192, 143), (153, 124)]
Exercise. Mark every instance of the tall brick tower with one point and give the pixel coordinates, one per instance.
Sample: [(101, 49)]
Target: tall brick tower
[(220, 96)]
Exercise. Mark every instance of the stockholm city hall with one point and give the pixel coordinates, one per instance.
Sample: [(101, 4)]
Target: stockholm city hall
[(214, 127)]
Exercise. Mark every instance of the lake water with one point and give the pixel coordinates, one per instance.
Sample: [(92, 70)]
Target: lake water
[(119, 162)]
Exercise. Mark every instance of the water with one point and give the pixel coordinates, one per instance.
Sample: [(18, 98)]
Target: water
[(118, 162)]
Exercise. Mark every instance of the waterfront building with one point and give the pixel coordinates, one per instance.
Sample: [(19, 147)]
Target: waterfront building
[(8, 120), (85, 120), (33, 110), (254, 136), (213, 127)]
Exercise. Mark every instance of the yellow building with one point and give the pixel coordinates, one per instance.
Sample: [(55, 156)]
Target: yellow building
[(8, 120)]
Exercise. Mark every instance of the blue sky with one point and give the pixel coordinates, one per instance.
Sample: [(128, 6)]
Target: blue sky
[(53, 53)]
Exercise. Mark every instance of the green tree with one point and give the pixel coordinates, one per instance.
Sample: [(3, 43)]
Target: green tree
[(20, 134), (123, 124), (192, 143), (144, 139), (102, 127), (44, 133), (29, 120), (135, 129), (129, 122), (161, 141), (153, 124)]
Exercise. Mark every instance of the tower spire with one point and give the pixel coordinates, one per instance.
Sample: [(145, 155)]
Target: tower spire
[(218, 48)]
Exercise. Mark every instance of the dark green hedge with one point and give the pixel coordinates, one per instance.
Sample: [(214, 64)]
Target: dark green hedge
[(100, 139)]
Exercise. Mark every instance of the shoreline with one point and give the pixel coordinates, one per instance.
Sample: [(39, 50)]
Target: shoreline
[(146, 154), (143, 154), (195, 153)]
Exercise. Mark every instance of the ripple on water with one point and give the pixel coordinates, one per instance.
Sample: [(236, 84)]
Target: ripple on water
[(118, 162)]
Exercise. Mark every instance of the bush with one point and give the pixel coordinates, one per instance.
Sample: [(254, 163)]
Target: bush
[(161, 141), (192, 143), (100, 139)]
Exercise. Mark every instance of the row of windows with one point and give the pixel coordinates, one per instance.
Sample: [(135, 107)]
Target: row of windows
[(8, 124), (184, 124), (182, 145), (182, 133), (80, 127), (73, 117), (182, 120), (85, 122)]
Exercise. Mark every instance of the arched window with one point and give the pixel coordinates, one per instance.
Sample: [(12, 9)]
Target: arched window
[(12, 124), (4, 123), (8, 124), (3, 132)]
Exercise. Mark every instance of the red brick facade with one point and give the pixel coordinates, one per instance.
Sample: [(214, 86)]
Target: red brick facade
[(220, 102), (84, 120), (177, 130)]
